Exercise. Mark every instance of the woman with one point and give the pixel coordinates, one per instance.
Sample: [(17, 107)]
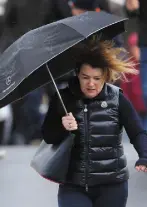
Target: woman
[(98, 174)]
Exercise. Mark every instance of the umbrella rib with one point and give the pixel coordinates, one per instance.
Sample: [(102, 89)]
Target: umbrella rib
[(73, 29)]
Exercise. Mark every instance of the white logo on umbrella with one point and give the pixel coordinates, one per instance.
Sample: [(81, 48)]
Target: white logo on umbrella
[(8, 80)]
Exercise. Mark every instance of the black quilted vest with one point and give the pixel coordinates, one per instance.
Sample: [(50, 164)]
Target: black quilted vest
[(97, 155)]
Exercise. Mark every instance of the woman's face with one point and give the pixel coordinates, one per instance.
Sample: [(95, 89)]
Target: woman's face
[(91, 80)]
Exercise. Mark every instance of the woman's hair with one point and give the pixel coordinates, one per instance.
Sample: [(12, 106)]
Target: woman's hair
[(113, 61)]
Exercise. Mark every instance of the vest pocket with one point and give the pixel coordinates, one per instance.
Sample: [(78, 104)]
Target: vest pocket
[(121, 158)]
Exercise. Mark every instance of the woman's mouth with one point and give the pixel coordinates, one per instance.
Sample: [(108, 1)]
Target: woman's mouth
[(90, 90)]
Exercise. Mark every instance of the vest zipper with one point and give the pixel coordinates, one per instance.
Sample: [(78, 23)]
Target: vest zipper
[(87, 147)]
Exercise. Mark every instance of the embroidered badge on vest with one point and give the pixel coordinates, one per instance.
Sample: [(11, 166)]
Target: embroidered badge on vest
[(104, 104)]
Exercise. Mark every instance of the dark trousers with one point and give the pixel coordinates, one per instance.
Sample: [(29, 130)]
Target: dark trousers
[(99, 196)]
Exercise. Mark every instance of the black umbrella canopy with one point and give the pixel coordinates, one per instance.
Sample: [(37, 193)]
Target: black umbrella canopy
[(22, 65)]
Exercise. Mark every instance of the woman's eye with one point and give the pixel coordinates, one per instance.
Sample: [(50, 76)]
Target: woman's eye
[(97, 78)]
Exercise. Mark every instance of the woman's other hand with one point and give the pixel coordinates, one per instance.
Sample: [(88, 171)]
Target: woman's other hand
[(69, 122), (142, 168)]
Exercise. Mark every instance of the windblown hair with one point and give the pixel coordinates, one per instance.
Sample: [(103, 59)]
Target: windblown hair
[(113, 61)]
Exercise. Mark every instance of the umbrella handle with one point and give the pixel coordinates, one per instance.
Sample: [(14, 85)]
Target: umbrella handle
[(59, 95)]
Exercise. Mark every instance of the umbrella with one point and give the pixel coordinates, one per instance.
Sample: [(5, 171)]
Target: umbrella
[(45, 54)]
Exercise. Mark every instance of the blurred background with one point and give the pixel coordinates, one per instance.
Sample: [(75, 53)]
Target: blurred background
[(20, 122)]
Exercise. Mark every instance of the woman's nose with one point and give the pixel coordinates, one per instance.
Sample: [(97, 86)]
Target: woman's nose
[(91, 83)]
